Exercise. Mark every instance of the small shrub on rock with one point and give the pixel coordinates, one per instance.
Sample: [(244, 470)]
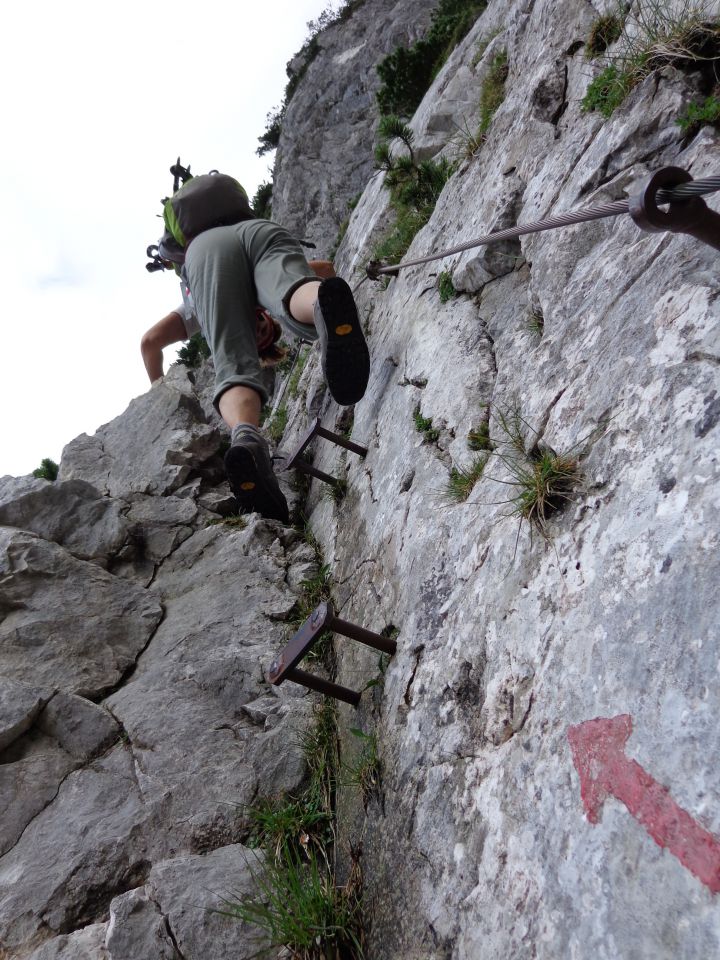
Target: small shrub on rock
[(414, 188), (445, 286), (607, 91), (194, 352), (407, 72), (262, 201), (48, 470), (424, 425)]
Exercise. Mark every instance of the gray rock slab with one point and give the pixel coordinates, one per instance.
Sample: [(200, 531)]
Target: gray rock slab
[(86, 944), (19, 705), (219, 500), (92, 842), (259, 710), (160, 524), (191, 890), (72, 513), (151, 448), (66, 623), (224, 575), (82, 728), (137, 929), (198, 753), (28, 784)]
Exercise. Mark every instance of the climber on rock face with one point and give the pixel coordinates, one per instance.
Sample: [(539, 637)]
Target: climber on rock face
[(229, 271)]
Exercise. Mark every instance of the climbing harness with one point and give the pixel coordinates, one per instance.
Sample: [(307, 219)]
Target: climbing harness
[(687, 213)]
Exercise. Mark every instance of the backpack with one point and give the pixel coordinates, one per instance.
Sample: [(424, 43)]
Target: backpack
[(209, 200)]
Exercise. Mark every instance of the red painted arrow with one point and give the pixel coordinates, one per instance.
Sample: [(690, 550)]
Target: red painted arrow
[(598, 748)]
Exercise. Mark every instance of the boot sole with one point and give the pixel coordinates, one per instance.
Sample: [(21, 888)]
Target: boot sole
[(250, 488), (347, 361)]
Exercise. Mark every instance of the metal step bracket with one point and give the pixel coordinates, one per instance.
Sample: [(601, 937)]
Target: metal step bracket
[(297, 462), (285, 665)]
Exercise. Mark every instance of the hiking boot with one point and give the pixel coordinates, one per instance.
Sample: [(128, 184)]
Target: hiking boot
[(253, 481), (344, 353)]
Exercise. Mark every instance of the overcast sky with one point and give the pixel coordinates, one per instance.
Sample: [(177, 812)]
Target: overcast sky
[(98, 101)]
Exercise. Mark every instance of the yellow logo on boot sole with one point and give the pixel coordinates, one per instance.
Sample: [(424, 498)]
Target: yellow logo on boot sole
[(248, 485), (343, 329)]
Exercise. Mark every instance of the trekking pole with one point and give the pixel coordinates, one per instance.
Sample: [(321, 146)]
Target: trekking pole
[(180, 174)]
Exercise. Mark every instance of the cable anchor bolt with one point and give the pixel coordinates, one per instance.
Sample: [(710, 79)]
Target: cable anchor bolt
[(691, 216)]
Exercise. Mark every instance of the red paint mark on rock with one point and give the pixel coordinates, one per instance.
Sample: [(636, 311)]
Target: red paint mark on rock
[(598, 749)]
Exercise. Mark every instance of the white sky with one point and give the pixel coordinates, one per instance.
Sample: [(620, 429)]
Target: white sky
[(98, 100)]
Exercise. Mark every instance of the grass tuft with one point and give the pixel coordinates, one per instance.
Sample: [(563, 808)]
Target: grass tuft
[(461, 482), (483, 44), (297, 903), (284, 822), (545, 485), (479, 437), (238, 522), (424, 425), (492, 93), (336, 492), (544, 480), (366, 772), (699, 114), (315, 589), (656, 34), (608, 90), (446, 287), (536, 322), (603, 33), (299, 906), (277, 423)]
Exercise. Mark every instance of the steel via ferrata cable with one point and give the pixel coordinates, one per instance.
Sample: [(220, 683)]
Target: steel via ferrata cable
[(678, 193)]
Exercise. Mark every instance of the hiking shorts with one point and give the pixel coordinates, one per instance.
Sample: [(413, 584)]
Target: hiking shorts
[(230, 270)]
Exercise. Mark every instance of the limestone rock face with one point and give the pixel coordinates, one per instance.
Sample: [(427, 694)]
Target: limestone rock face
[(599, 343), (325, 155), (136, 724), (86, 944), (19, 705), (67, 622), (227, 874), (72, 513), (152, 448), (127, 754)]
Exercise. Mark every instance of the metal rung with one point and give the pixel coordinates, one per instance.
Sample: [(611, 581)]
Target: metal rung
[(297, 462), (323, 618)]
